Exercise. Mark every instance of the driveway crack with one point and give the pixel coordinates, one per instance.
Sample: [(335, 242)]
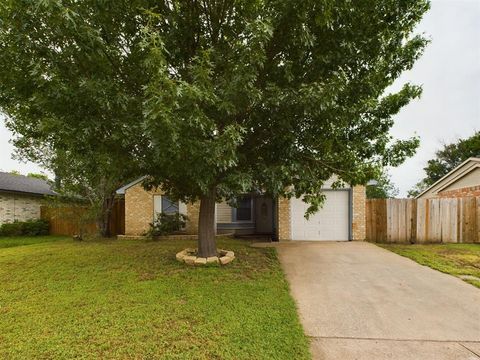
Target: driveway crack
[(398, 339), (470, 350)]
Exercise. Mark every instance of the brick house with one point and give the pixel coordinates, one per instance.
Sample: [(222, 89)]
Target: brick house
[(21, 197), (342, 217), (462, 181)]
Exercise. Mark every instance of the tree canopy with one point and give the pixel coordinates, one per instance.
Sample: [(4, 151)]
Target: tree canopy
[(276, 95), (212, 99), (72, 94), (384, 188), (446, 159)]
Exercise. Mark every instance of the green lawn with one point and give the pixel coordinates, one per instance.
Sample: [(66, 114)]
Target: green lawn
[(6, 241), (454, 259), (127, 299)]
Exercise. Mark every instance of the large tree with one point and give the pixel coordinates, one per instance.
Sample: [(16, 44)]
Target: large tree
[(274, 95), (232, 96), (71, 86), (446, 159)]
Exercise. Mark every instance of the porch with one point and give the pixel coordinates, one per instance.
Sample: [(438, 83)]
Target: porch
[(253, 215)]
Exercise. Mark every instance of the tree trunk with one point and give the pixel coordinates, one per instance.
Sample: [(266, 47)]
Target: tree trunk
[(103, 221), (207, 226)]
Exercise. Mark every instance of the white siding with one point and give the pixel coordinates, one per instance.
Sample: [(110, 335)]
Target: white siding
[(454, 179), (469, 180), (224, 213)]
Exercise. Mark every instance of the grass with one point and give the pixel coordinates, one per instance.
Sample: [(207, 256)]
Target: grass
[(453, 259), (130, 299), (12, 241)]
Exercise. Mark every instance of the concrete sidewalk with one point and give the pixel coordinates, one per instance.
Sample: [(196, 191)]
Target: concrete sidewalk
[(359, 301)]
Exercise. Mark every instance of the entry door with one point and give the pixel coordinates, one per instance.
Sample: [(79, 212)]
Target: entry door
[(332, 222), (263, 215)]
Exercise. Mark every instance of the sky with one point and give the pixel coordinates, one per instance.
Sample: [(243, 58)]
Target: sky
[(7, 163), (449, 72), (449, 108)]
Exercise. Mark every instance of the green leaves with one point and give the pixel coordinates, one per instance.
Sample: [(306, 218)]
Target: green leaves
[(384, 188), (70, 85), (276, 95)]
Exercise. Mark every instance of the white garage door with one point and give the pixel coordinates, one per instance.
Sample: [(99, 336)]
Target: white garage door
[(332, 222)]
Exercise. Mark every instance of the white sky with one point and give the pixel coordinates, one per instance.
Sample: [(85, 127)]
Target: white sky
[(6, 153), (449, 71), (449, 108)]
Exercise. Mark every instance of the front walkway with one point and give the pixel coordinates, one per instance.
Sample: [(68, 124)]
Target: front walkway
[(358, 301)]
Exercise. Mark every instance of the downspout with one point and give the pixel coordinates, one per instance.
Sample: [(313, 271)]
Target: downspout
[(274, 219), (350, 214)]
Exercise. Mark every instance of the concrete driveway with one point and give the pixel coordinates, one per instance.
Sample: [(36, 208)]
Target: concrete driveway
[(358, 301)]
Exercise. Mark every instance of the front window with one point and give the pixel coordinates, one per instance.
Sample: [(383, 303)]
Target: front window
[(244, 209), (168, 206)]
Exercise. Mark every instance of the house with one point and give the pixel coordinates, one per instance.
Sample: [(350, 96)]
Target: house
[(21, 197), (342, 217), (462, 181)]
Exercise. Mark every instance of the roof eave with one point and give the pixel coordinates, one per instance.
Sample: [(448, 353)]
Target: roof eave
[(475, 159), (121, 191), (26, 192)]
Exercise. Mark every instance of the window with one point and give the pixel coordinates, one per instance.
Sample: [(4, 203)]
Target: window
[(244, 209), (168, 206)]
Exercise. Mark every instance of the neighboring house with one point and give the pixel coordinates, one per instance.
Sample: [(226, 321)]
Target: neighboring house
[(462, 181), (342, 217), (21, 197)]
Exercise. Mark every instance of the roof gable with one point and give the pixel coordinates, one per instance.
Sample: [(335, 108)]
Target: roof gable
[(464, 169), (122, 190)]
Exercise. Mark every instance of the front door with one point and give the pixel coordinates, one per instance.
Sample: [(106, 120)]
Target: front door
[(263, 215)]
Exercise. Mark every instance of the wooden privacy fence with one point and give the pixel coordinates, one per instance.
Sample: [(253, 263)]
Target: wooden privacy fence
[(423, 220), (66, 220)]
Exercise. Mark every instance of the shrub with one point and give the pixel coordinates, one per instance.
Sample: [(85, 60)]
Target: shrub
[(25, 228), (35, 227), (165, 224), (11, 229)]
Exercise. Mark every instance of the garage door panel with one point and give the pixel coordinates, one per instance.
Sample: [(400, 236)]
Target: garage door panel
[(331, 222)]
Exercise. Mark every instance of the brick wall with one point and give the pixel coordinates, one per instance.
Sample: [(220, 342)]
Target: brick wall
[(193, 211), (358, 215), (139, 210), (15, 207), (139, 213), (284, 221), (463, 192)]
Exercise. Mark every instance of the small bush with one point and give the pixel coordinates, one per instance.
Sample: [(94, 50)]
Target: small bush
[(11, 229), (25, 228), (165, 224), (35, 227)]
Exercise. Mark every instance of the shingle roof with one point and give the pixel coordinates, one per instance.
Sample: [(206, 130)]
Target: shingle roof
[(24, 184)]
